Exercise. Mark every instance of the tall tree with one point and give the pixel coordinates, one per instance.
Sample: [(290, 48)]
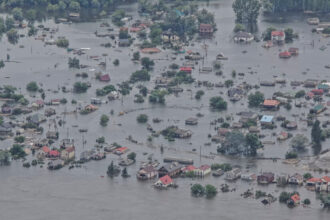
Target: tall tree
[(247, 11)]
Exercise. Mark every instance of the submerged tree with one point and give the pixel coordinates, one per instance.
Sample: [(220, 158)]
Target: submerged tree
[(247, 11)]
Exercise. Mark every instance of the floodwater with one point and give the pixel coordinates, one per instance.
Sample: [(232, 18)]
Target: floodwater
[(37, 193)]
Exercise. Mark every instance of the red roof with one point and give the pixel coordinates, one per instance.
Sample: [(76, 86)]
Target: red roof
[(317, 91), (314, 180), (326, 179), (310, 94), (45, 149), (150, 50), (186, 69), (285, 54), (69, 149), (166, 180), (278, 33), (270, 102), (204, 167), (295, 198), (122, 149), (54, 153), (189, 168), (105, 78)]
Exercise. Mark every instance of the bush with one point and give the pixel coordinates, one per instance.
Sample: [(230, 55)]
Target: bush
[(210, 191), (140, 75), (80, 87), (218, 103), (197, 190), (32, 87), (104, 120), (307, 201), (225, 167), (291, 155), (199, 94), (142, 118), (131, 156), (19, 139), (62, 42), (256, 99)]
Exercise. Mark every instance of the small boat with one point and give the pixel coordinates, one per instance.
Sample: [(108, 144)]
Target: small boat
[(83, 130)]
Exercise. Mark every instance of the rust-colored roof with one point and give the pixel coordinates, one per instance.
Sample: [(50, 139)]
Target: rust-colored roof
[(271, 102), (150, 50), (166, 180)]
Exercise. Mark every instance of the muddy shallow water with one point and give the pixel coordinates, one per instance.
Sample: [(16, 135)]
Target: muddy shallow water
[(37, 193)]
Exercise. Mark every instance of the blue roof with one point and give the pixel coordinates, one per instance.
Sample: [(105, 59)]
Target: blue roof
[(267, 118), (178, 13)]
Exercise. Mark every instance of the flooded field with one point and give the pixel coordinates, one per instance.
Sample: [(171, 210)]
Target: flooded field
[(82, 193)]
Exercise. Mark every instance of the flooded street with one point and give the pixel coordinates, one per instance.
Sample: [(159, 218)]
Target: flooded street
[(83, 193)]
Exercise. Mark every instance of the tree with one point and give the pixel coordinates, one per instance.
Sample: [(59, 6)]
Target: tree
[(19, 139), (147, 63), (199, 94), (158, 96), (100, 140), (239, 27), (247, 11), (267, 35), (284, 197), (12, 36), (197, 190), (291, 155), (4, 158), (74, 6), (218, 103), (18, 14), (300, 94), (140, 75), (289, 35), (104, 120), (17, 151), (136, 55), (124, 173), (62, 42), (74, 63), (113, 170), (31, 15), (2, 64), (229, 83), (253, 144), (210, 191), (307, 176), (256, 99), (131, 156), (32, 86), (325, 199), (299, 142), (80, 87), (1, 119), (316, 137), (142, 118)]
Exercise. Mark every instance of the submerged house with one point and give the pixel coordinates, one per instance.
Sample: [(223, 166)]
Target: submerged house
[(171, 170), (278, 37), (271, 104), (265, 178), (267, 120), (164, 182), (145, 173), (205, 29), (233, 174), (243, 37), (296, 179), (202, 170), (68, 153)]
